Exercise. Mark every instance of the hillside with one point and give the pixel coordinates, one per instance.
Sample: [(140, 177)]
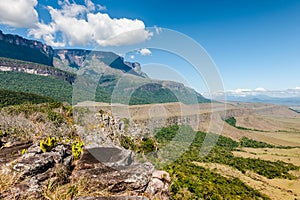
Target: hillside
[(9, 98), (35, 84)]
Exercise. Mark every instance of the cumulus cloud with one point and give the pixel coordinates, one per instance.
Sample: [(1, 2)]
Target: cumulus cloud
[(145, 52), (297, 88), (18, 13), (260, 89), (80, 25)]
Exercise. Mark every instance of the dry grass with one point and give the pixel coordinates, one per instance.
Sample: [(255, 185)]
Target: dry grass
[(68, 191), (272, 154), (7, 182)]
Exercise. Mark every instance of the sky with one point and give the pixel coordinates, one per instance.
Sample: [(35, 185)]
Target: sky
[(254, 44)]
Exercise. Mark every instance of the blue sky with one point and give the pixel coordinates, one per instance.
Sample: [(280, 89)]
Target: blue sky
[(254, 43)]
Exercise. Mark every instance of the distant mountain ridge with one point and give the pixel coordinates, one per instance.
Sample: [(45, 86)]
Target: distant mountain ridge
[(53, 73), (75, 58), (17, 47), (288, 101)]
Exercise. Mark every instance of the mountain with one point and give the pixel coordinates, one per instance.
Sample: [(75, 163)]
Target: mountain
[(33, 67), (75, 58), (16, 47)]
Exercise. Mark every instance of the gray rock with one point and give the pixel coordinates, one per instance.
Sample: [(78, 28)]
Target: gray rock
[(158, 187), (58, 153), (162, 175), (155, 185), (113, 156), (33, 165), (68, 160), (35, 148), (133, 178)]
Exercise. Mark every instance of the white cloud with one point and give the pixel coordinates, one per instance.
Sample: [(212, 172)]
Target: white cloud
[(158, 30), (18, 13), (145, 52), (260, 89), (81, 25)]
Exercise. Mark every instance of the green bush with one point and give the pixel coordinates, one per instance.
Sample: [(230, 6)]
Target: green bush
[(55, 117), (147, 145), (48, 144), (246, 142), (127, 142), (77, 149)]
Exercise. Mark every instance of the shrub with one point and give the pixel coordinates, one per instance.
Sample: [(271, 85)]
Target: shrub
[(77, 149), (127, 142), (147, 145), (48, 144), (23, 151)]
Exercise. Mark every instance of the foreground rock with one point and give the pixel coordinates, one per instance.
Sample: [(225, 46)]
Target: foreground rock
[(136, 179), (34, 168), (130, 181)]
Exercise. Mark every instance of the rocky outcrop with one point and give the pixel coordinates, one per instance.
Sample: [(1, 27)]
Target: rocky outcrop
[(34, 68), (36, 169), (76, 58)]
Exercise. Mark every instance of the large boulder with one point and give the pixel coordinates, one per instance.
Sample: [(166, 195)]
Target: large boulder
[(113, 156), (134, 178)]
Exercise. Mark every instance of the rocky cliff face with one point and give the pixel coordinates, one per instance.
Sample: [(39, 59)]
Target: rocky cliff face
[(10, 65), (16, 47), (75, 58)]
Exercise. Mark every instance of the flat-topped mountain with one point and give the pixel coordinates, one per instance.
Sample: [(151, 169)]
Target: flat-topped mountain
[(34, 67), (16, 47)]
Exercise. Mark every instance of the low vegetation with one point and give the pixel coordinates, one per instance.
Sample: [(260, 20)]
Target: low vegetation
[(35, 84), (48, 144), (232, 122), (194, 182), (246, 142), (77, 149), (61, 90), (9, 98), (142, 146)]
